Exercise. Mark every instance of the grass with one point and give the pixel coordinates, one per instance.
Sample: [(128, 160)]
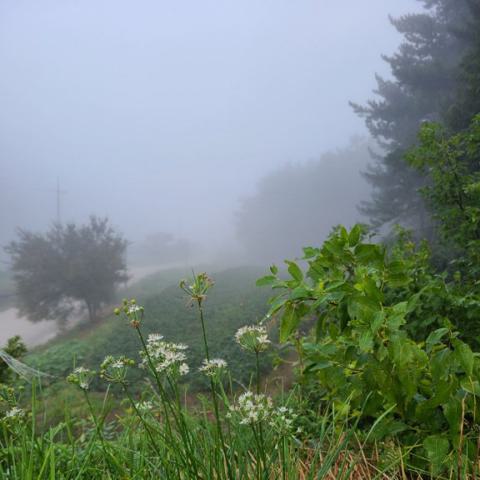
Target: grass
[(235, 301), (142, 446), (228, 433), (125, 422)]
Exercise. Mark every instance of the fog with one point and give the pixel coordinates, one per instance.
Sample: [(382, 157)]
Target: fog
[(298, 204), (164, 115)]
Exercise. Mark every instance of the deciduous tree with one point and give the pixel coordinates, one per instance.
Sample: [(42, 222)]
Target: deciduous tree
[(69, 263)]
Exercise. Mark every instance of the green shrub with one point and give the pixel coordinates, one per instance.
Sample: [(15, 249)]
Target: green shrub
[(361, 356)]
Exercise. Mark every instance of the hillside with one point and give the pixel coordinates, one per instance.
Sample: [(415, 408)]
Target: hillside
[(234, 302)]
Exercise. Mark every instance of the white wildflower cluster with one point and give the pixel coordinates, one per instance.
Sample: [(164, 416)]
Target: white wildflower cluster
[(282, 420), (132, 311), (144, 407), (15, 414), (82, 377), (251, 409), (213, 367), (253, 338), (167, 357), (155, 337), (114, 370)]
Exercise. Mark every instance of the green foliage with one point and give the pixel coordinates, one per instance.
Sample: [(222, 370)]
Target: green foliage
[(234, 302), (425, 86), (16, 349), (361, 354), (68, 263), (227, 436), (453, 193), (467, 104), (113, 441)]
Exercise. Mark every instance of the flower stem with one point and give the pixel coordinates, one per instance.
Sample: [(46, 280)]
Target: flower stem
[(140, 416), (100, 435), (177, 415), (257, 364), (214, 392)]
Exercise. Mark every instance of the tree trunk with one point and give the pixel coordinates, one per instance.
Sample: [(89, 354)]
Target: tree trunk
[(92, 311), (89, 308)]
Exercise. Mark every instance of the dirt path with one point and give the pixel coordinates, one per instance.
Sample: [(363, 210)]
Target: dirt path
[(34, 334)]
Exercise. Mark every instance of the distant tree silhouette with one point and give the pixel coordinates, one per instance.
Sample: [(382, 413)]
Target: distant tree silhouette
[(426, 71), (69, 263), (299, 204)]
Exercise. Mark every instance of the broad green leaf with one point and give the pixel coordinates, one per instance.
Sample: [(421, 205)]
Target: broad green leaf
[(464, 355), (413, 302), (395, 321), (294, 270), (320, 326), (334, 247), (328, 349), (309, 252), (453, 413), (400, 307), (369, 254), (437, 448), (435, 337), (335, 285), (365, 342), (333, 331), (266, 280), (274, 269), (320, 365), (471, 386), (371, 289), (276, 303), (396, 267), (300, 292), (398, 280), (443, 392), (439, 364), (354, 235), (362, 307), (388, 427), (397, 274), (410, 361), (317, 350), (396, 318), (289, 322), (377, 321)]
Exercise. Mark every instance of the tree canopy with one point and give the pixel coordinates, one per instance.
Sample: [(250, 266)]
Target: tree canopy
[(428, 74), (68, 264)]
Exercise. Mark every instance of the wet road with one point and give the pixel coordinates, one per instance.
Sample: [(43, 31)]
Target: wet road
[(40, 332)]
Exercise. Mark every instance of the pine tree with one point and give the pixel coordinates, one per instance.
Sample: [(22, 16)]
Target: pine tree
[(424, 86), (467, 104)]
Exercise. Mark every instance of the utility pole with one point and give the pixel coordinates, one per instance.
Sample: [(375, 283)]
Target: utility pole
[(59, 193)]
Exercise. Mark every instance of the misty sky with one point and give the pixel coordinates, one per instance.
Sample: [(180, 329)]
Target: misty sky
[(162, 114)]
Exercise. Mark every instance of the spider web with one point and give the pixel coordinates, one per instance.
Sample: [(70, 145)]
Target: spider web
[(26, 372)]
